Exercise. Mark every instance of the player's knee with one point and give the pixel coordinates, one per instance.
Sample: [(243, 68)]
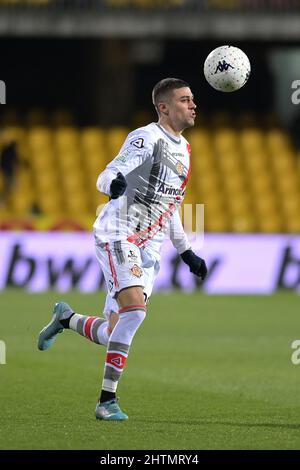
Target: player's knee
[(131, 296), (140, 314), (134, 318)]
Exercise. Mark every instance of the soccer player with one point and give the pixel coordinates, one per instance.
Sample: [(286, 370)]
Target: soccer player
[(145, 182)]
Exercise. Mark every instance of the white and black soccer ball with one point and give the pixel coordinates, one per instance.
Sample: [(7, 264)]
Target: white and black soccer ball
[(227, 68)]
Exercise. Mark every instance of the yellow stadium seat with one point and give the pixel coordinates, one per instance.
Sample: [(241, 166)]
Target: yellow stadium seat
[(200, 141), (40, 138), (270, 224), (43, 161), (261, 184), (218, 222), (98, 202), (208, 184), (97, 197), (251, 140), (69, 160), (229, 162), (239, 205), (115, 137), (76, 204), (66, 138), (189, 197), (91, 178), (50, 203), (10, 117), (235, 184), (13, 133), (243, 177), (23, 178), (266, 205), (21, 203), (73, 183), (22, 196), (62, 118), (287, 183), (203, 164), (277, 140), (94, 161), (36, 117), (225, 141), (214, 202), (292, 224), (291, 205), (92, 140), (47, 181), (255, 162), (283, 162), (243, 222)]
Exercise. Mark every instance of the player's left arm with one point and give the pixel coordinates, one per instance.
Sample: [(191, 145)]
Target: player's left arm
[(137, 147), (180, 241)]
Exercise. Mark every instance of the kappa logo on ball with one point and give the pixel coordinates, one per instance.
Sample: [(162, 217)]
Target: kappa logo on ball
[(136, 270)]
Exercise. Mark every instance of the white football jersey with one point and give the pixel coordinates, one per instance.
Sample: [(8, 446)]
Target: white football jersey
[(156, 166)]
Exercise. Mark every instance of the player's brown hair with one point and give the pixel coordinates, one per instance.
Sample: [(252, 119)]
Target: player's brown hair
[(163, 88)]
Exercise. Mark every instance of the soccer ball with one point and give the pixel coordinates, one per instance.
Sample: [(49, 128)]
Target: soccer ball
[(227, 68)]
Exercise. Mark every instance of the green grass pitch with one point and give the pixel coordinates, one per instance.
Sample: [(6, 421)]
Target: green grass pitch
[(204, 372)]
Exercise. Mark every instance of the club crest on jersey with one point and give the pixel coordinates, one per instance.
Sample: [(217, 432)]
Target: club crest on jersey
[(136, 270), (179, 168), (138, 143)]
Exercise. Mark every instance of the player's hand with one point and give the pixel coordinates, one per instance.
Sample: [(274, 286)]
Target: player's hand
[(197, 265), (118, 186)]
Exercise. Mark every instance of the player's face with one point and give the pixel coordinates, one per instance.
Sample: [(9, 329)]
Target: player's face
[(182, 108)]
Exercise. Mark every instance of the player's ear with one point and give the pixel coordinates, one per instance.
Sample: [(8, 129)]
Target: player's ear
[(163, 108)]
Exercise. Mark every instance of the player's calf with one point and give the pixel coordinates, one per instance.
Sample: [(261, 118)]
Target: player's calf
[(94, 328)]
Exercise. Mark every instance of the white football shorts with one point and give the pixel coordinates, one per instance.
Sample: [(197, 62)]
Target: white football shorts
[(125, 265)]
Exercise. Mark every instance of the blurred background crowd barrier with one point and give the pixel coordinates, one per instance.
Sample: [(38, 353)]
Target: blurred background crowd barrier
[(78, 77), (189, 5)]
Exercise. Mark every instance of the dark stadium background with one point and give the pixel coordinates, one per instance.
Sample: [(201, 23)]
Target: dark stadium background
[(215, 366), (72, 73)]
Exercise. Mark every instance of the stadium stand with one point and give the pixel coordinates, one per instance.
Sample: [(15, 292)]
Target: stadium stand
[(247, 177)]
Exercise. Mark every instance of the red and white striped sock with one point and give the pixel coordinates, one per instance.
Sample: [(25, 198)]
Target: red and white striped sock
[(94, 328), (130, 318)]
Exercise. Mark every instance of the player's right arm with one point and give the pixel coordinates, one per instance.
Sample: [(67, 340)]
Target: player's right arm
[(180, 241), (137, 147)]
